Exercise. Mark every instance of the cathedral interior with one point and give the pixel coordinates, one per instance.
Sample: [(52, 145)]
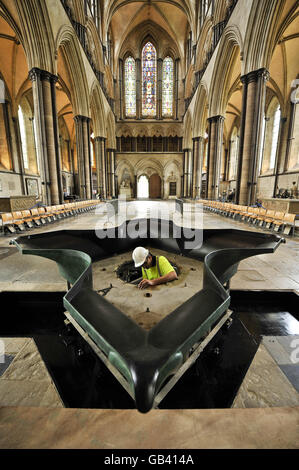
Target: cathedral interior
[(172, 107)]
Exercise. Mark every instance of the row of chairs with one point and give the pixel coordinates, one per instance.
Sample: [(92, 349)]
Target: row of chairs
[(264, 218), (21, 220)]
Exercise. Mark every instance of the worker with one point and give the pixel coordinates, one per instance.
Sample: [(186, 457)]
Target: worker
[(155, 269)]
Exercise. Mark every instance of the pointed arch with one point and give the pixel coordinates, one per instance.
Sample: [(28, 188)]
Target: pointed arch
[(74, 63), (97, 110), (228, 54)]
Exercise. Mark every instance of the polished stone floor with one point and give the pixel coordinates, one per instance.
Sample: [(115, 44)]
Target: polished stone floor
[(27, 393)]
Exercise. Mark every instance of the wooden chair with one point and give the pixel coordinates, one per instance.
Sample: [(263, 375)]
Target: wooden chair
[(43, 215), (289, 223), (36, 217), (27, 218), (18, 220), (8, 223), (279, 221)]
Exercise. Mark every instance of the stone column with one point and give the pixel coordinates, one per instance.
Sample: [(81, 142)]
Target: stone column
[(253, 107), (98, 159), (138, 88), (195, 162), (104, 166), (279, 152), (108, 168), (290, 137), (19, 152), (190, 172), (176, 87), (120, 85), (83, 155), (113, 186), (214, 155), (199, 158), (47, 144), (185, 173), (159, 88)]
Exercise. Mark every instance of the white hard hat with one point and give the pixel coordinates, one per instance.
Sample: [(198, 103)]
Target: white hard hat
[(139, 256)]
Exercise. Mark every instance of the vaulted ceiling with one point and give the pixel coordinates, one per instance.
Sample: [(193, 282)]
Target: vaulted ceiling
[(172, 16)]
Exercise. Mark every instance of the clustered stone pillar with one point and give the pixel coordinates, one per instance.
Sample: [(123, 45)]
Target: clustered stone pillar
[(47, 143), (98, 159), (253, 107), (176, 87), (110, 156), (214, 155), (197, 171), (190, 172), (187, 177), (82, 125), (104, 166), (185, 172)]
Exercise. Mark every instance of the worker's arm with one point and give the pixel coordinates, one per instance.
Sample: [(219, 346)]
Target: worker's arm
[(160, 280)]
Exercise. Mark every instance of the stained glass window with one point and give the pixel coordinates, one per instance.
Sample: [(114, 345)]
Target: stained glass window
[(167, 87), (130, 87), (149, 80)]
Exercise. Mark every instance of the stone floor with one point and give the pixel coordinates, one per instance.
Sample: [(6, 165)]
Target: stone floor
[(265, 411)]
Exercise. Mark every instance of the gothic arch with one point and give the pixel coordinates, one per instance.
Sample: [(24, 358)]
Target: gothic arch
[(262, 23), (149, 167), (37, 35), (94, 46), (187, 139), (97, 110), (205, 43), (68, 42), (110, 131), (200, 112), (228, 54)]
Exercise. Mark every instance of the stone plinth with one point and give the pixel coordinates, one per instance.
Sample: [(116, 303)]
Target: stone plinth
[(17, 203), (282, 205)]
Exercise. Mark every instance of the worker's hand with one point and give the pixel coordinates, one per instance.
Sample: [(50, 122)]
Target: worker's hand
[(145, 283)]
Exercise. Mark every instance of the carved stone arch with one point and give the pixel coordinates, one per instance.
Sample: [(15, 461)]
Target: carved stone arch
[(142, 132), (78, 11), (123, 165), (110, 130), (262, 23), (228, 54), (94, 45), (200, 111), (145, 164), (157, 131), (206, 38), (71, 53), (169, 52), (6, 15), (37, 35), (171, 163), (97, 110), (221, 7), (189, 82), (187, 139)]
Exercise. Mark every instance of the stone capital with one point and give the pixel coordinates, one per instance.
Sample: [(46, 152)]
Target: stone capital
[(216, 119), (256, 75), (80, 118), (43, 75)]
